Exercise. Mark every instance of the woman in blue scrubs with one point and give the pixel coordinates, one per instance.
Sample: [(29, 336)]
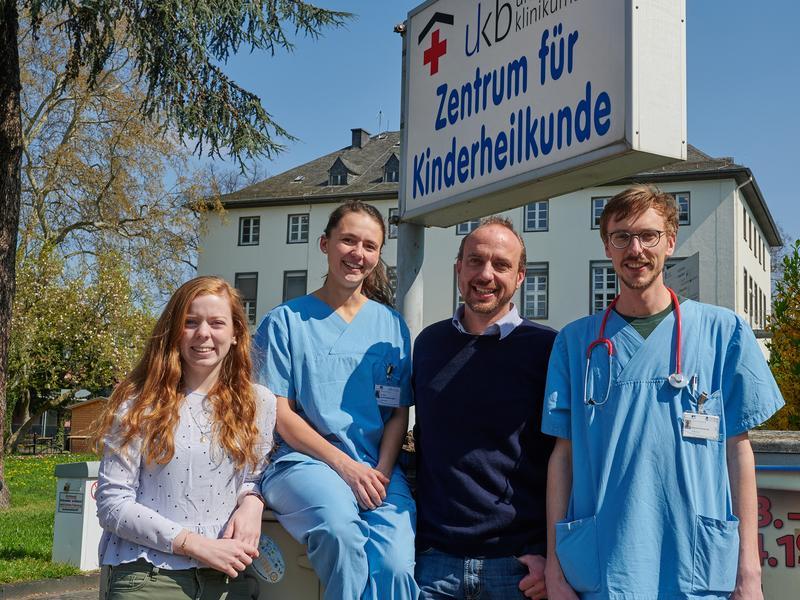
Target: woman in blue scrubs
[(338, 361)]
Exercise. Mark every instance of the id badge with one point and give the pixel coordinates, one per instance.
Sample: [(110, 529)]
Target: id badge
[(387, 395), (700, 426)]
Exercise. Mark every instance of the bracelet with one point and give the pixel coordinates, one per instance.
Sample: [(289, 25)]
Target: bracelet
[(182, 547), (257, 495)]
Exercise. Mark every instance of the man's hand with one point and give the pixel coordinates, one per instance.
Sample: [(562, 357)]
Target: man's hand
[(748, 587), (533, 584), (557, 586)]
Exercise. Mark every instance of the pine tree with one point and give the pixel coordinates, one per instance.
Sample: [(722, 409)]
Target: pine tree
[(177, 48)]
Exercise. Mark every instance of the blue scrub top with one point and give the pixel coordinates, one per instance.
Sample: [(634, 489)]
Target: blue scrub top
[(306, 352), (650, 514)]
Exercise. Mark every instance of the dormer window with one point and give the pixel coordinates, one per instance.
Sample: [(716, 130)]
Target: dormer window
[(338, 179), (391, 170), (339, 173)]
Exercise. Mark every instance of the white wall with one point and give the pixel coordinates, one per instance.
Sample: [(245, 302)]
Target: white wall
[(715, 231)]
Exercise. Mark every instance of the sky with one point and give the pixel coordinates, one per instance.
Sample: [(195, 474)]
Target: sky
[(743, 87)]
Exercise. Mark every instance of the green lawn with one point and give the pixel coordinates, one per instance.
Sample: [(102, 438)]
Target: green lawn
[(26, 529)]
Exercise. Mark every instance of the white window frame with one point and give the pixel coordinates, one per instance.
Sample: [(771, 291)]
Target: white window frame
[(337, 179), (297, 227), (296, 273), (392, 231), (596, 206), (745, 289), (684, 216), (458, 300), (536, 216), (536, 301), (391, 175), (253, 227), (467, 227), (744, 221), (250, 305), (601, 297)]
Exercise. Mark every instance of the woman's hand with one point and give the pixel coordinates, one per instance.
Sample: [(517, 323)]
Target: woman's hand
[(225, 555), (245, 522), (368, 484)]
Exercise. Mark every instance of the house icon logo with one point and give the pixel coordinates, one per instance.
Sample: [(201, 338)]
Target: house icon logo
[(438, 46)]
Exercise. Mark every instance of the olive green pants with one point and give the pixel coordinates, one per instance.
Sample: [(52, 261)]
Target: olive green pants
[(142, 581)]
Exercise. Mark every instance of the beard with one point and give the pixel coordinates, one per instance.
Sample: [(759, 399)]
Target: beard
[(489, 306), (641, 283)]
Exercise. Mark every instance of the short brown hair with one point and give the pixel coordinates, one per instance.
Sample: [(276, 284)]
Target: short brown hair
[(636, 200), (503, 222)]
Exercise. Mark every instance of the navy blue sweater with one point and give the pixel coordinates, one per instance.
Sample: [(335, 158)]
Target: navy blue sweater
[(481, 456)]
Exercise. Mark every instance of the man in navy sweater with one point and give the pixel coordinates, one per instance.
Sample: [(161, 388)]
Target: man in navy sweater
[(481, 459)]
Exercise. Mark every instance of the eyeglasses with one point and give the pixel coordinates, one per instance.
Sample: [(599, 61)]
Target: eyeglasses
[(647, 238)]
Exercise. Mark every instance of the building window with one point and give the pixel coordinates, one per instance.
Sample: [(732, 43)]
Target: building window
[(467, 227), (338, 179), (745, 290), (604, 286), (682, 199), (391, 170), (391, 275), (744, 221), (249, 231), (536, 216), (393, 213), (247, 284), (457, 299), (598, 204), (392, 173), (534, 291), (294, 284), (297, 229)]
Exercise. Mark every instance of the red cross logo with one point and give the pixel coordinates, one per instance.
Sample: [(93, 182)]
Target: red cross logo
[(435, 52)]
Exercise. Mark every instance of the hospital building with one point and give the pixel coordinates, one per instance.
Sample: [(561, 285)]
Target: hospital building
[(266, 243)]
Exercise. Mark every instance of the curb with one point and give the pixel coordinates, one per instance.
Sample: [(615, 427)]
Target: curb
[(32, 589)]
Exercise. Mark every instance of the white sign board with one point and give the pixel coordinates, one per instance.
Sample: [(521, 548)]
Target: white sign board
[(507, 102), (684, 277)]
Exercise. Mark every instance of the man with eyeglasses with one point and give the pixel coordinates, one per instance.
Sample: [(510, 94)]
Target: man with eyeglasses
[(651, 487)]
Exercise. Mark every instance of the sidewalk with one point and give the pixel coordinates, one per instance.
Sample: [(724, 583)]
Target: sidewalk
[(77, 587)]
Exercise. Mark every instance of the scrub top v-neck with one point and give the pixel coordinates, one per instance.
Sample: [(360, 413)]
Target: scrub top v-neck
[(332, 369), (643, 493)]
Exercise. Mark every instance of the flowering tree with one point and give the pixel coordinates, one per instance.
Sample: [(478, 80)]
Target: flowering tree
[(81, 331), (785, 345)]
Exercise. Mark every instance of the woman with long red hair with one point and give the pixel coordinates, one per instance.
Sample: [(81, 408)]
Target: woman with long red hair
[(184, 440)]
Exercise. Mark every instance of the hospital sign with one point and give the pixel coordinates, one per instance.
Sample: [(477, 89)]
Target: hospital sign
[(510, 101)]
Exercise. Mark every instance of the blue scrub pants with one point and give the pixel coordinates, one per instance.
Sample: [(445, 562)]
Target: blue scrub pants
[(358, 554)]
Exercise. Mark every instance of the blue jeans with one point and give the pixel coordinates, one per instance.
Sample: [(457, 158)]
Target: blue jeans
[(441, 575)]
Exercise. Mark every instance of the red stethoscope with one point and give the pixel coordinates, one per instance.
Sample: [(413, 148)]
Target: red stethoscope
[(677, 379)]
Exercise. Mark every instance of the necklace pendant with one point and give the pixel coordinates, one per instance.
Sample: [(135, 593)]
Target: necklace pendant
[(203, 437)]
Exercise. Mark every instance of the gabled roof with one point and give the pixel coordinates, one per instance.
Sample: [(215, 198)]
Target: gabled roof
[(87, 402), (700, 166), (350, 168), (365, 163), (308, 183)]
